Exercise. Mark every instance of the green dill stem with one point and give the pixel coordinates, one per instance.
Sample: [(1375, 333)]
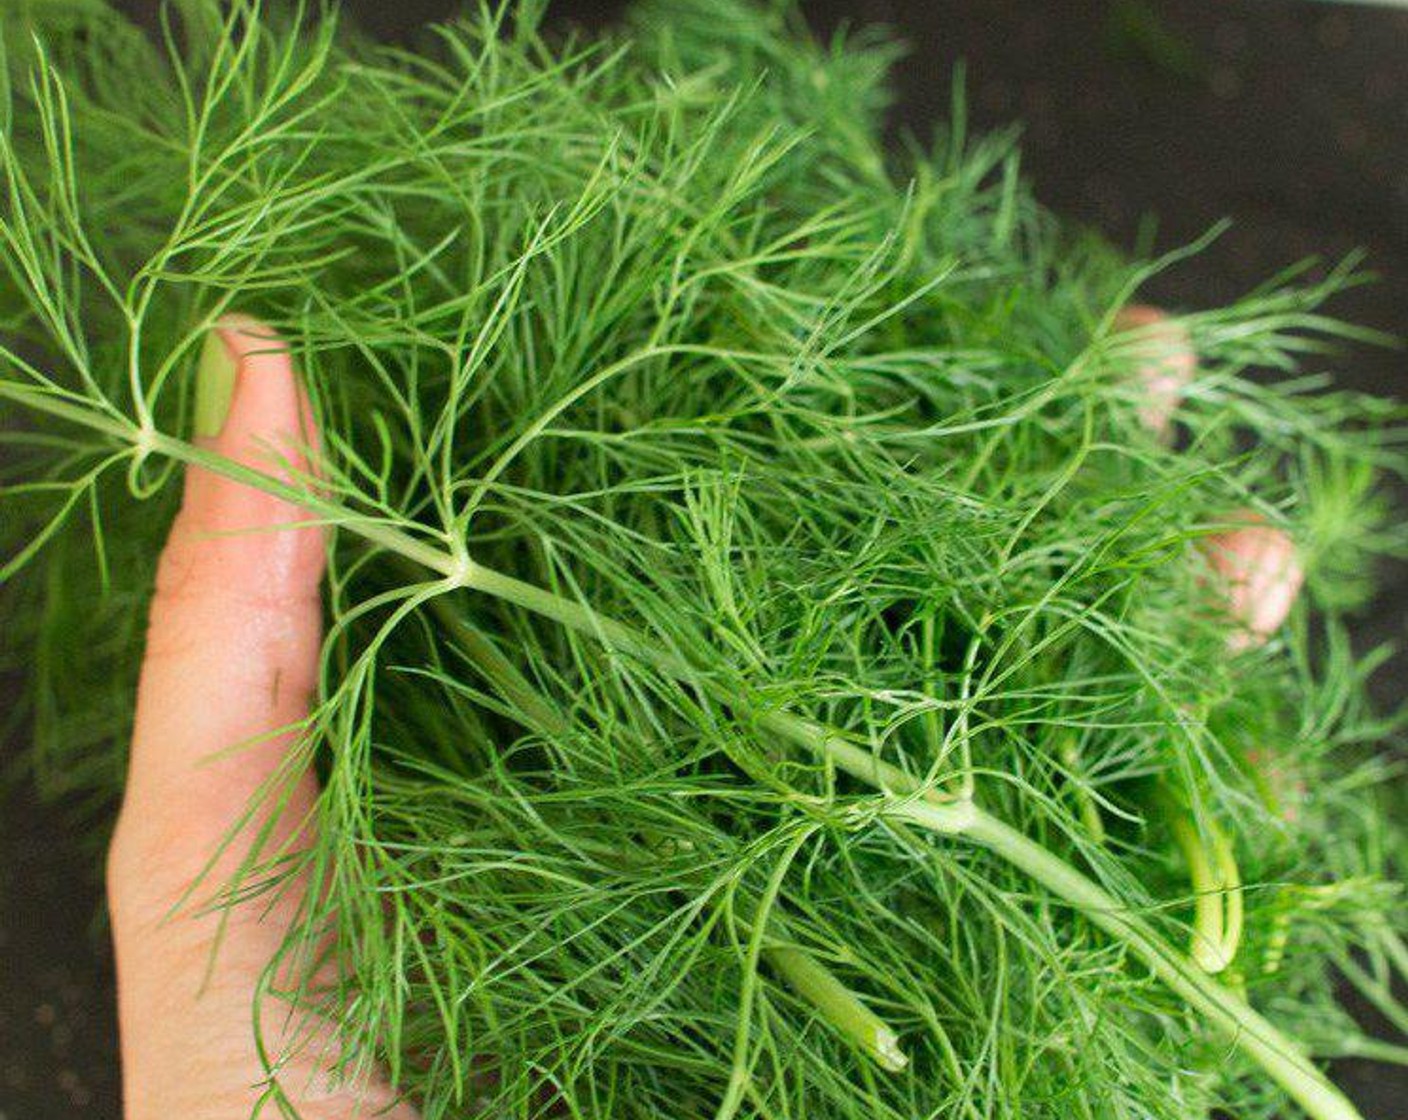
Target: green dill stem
[(1231, 876), (499, 670), (838, 1004), (1282, 1059), (809, 978), (1216, 880), (1279, 937), (1085, 803), (1397, 951), (576, 616), (938, 814), (933, 811), (1378, 995), (1371, 1049), (146, 441), (371, 529), (83, 414), (1209, 937), (1278, 1055)]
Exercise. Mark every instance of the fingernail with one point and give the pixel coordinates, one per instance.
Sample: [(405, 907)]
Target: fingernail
[(215, 385)]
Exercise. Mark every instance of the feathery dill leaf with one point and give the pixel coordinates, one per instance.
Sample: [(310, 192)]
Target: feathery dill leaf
[(757, 616)]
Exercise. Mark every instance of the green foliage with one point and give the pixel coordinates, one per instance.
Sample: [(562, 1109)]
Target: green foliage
[(685, 452)]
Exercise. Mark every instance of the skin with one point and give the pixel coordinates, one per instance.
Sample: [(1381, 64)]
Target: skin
[(230, 663), (231, 660), (1167, 364), (1254, 564), (1258, 573)]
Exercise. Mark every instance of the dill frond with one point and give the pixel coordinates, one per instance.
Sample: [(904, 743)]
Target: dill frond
[(757, 616)]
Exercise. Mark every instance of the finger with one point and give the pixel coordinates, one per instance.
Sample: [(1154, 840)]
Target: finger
[(1167, 363), (235, 624), (231, 655), (1256, 566), (1259, 575), (231, 658)]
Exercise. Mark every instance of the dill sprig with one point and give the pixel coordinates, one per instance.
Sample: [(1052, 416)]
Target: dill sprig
[(764, 642)]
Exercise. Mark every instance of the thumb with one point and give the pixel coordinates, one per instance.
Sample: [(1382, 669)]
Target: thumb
[(235, 627), (231, 658)]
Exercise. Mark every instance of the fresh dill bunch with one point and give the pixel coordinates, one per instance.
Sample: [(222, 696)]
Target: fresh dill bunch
[(771, 670)]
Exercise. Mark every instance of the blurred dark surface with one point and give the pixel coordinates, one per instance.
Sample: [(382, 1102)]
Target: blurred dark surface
[(1288, 116)]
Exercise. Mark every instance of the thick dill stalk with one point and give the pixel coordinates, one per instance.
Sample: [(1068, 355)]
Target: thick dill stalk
[(706, 476), (1282, 1059)]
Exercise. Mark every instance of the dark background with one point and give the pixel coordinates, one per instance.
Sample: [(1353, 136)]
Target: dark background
[(1288, 116)]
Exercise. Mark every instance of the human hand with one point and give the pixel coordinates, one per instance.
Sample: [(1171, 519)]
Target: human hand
[(231, 659), (1254, 564)]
